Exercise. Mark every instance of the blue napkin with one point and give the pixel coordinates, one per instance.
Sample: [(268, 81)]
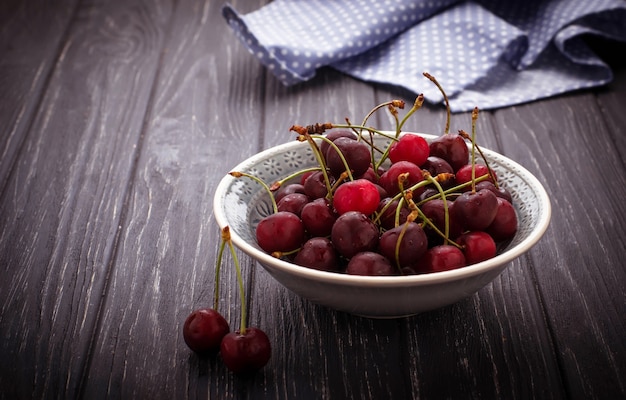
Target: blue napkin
[(486, 54)]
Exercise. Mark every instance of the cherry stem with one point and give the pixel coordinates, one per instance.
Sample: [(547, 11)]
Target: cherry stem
[(419, 101), (445, 98), (339, 153), (238, 174), (446, 212), (320, 159), (242, 296), (218, 265), (276, 185), (474, 118), (394, 103), (464, 134)]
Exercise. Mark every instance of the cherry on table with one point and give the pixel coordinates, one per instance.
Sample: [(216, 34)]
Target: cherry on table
[(247, 352), (204, 330)]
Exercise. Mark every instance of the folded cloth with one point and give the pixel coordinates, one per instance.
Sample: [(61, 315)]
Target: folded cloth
[(486, 54)]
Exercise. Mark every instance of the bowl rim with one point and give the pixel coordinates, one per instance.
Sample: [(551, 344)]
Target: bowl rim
[(499, 260)]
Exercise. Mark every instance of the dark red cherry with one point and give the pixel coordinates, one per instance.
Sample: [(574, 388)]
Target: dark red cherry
[(204, 330), (246, 353), (387, 218), (437, 165), (412, 245), (287, 189), (318, 217), (504, 225), (452, 148), (370, 263), (353, 232), (336, 134), (440, 258), (498, 191), (356, 153), (293, 203), (318, 253), (476, 210), (477, 246), (315, 185), (282, 231), (434, 210)]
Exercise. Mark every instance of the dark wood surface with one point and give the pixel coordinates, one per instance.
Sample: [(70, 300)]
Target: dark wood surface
[(117, 121)]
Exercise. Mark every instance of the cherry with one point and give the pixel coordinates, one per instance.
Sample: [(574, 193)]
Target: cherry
[(389, 180), (282, 231), (359, 195), (409, 147), (439, 258), (315, 185), (413, 244), (477, 246), (370, 263), (354, 232), (318, 253), (318, 217), (356, 153), (437, 165), (452, 148), (464, 174), (333, 135), (288, 189), (504, 225), (498, 191), (247, 351), (434, 210), (293, 203), (204, 329), (387, 217), (476, 210)]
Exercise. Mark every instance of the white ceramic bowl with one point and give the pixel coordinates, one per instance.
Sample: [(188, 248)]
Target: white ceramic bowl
[(240, 203)]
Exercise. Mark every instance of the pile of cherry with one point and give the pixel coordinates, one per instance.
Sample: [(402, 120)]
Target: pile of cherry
[(411, 207), (432, 207)]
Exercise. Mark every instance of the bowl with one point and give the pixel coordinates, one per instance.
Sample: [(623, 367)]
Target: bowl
[(240, 203)]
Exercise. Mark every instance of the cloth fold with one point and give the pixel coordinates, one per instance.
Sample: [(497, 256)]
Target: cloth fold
[(487, 54)]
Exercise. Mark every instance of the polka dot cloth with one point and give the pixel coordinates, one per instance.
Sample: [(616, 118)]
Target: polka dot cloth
[(488, 53)]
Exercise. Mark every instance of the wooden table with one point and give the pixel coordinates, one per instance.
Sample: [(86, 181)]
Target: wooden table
[(117, 121)]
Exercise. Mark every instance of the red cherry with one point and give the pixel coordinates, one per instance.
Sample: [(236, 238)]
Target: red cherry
[(476, 210), (246, 353), (452, 148), (282, 231), (389, 180), (504, 225), (464, 174), (439, 258), (204, 330), (477, 246), (410, 147), (359, 195)]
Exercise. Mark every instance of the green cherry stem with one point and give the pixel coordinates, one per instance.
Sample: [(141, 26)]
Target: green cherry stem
[(446, 212), (242, 296), (474, 118), (419, 101), (218, 265), (238, 174)]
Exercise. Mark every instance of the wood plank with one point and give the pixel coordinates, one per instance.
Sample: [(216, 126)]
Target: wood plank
[(578, 265), (206, 116), (31, 33), (61, 210)]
